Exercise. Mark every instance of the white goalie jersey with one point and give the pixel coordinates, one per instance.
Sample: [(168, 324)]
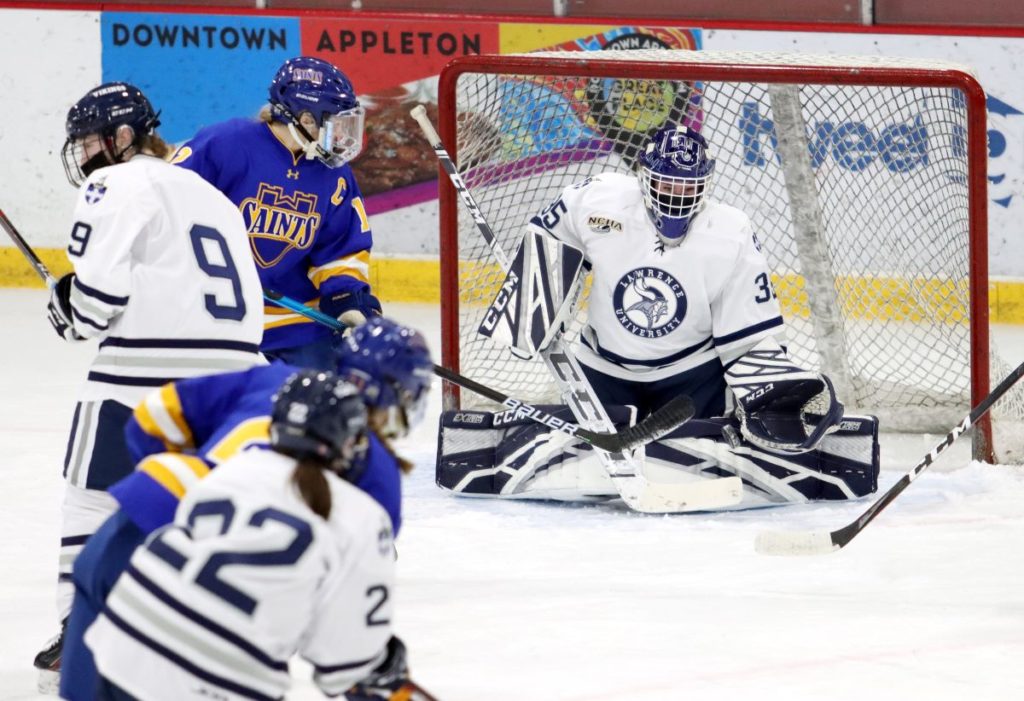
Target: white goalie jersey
[(213, 606), (656, 311), (163, 278)]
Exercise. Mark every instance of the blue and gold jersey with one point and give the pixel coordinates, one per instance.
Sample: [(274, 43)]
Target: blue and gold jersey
[(308, 229), (182, 430)]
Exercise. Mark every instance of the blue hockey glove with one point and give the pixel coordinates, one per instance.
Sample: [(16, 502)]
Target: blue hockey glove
[(59, 309), (351, 308)]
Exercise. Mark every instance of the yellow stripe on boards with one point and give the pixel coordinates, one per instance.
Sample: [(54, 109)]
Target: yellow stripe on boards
[(419, 280)]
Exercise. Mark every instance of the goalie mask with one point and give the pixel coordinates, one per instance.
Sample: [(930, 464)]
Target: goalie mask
[(392, 366), (103, 126), (674, 170), (319, 105)]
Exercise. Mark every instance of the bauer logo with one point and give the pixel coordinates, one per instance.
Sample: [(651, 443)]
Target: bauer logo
[(649, 302), (603, 225)]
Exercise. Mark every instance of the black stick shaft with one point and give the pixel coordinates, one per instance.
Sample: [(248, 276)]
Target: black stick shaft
[(26, 250), (665, 419), (847, 533)]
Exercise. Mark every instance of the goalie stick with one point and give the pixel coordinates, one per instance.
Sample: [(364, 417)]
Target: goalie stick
[(656, 425), (22, 245), (821, 542), (633, 487)]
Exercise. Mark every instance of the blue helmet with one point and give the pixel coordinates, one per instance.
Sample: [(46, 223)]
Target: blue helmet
[(102, 112), (310, 85), (392, 366), (318, 415), (674, 170)]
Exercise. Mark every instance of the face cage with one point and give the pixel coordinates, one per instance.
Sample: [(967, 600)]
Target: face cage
[(665, 207), (402, 417), (353, 449), (341, 137), (73, 155)]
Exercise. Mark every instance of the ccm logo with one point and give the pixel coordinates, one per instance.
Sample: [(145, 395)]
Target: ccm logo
[(501, 301), (759, 392)]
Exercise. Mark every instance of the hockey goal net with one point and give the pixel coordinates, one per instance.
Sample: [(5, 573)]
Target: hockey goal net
[(864, 178)]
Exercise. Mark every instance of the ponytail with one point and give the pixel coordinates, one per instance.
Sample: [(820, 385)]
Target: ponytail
[(157, 146), (308, 477)]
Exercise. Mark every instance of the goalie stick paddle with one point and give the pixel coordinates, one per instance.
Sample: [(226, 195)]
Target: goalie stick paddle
[(821, 542), (22, 245), (656, 425), (635, 490)]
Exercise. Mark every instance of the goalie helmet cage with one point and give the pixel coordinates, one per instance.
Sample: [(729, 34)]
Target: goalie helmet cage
[(864, 177)]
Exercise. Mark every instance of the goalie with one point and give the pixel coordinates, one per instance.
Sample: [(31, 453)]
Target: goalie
[(681, 303)]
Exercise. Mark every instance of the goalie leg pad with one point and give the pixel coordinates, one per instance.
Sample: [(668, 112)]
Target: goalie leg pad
[(506, 455), (845, 464)]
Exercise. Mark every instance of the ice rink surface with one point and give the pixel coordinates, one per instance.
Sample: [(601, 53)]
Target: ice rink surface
[(513, 601)]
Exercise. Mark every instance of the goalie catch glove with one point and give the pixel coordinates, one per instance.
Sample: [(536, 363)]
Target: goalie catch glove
[(390, 680), (781, 407), (59, 309)]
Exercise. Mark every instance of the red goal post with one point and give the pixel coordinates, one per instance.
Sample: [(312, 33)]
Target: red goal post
[(865, 178)]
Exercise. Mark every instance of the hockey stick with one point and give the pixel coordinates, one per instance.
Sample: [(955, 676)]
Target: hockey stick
[(632, 486), (653, 427), (22, 245), (820, 542)]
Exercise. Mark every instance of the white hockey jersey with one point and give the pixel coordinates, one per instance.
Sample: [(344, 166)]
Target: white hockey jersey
[(213, 606), (163, 277), (656, 311)]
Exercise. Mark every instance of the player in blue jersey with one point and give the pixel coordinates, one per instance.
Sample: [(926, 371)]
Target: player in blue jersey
[(206, 421), (288, 173)]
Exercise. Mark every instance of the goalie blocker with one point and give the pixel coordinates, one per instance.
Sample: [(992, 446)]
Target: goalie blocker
[(485, 454), (536, 297)]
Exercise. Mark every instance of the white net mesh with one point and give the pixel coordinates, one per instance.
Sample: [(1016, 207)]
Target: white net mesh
[(858, 193)]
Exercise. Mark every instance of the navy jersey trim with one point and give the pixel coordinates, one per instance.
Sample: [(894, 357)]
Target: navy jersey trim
[(70, 540), (98, 294), (749, 331), (86, 320), (331, 669), (180, 661), (129, 381), (204, 622), (71, 437), (200, 343), (655, 363)]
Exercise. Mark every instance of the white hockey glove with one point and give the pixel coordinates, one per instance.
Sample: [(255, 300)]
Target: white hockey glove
[(59, 310), (781, 407)]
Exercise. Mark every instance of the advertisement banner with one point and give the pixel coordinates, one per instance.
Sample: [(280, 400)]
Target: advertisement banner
[(197, 69)]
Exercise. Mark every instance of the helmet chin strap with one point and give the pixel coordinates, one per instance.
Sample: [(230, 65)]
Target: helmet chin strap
[(305, 141)]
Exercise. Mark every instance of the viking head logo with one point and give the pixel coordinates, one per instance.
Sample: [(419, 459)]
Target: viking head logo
[(652, 304)]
